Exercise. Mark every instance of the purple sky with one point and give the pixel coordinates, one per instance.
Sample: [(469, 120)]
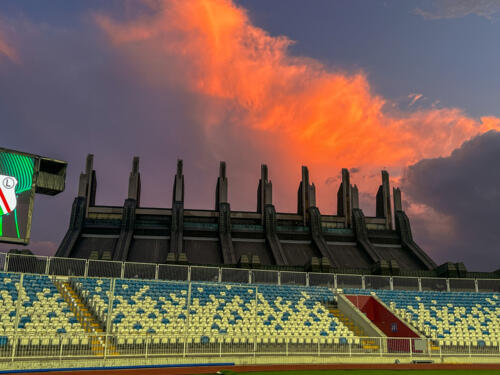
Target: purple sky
[(408, 86)]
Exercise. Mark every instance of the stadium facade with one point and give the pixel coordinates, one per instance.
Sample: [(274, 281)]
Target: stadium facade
[(348, 242)]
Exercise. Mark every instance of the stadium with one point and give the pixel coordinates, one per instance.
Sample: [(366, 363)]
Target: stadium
[(197, 290), (281, 187)]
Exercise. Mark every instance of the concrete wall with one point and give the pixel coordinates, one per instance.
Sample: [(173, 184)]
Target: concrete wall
[(349, 310)]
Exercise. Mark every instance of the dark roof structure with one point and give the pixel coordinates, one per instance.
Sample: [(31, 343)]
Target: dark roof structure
[(306, 240)]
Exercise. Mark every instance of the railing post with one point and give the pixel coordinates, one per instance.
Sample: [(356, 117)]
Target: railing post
[(335, 281), (411, 349), (447, 285), (189, 273), (350, 349), (249, 276), (147, 340), (86, 272), (279, 277), (220, 275), (470, 355), (419, 284), (157, 270), (380, 346), (122, 272), (391, 283), (476, 286), (61, 348), (47, 266), (6, 264), (286, 342), (14, 344), (363, 285), (184, 351), (307, 278)]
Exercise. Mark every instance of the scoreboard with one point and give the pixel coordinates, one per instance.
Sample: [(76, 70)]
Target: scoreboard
[(19, 173)]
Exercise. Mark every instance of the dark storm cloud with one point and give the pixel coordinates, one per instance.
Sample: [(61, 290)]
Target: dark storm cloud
[(465, 188)]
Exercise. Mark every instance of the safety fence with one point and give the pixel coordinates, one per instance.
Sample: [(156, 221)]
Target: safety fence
[(96, 346), (149, 271)]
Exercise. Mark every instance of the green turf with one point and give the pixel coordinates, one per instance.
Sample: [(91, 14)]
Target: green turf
[(369, 372)]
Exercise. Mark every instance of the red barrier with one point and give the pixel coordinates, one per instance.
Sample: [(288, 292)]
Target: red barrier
[(387, 322)]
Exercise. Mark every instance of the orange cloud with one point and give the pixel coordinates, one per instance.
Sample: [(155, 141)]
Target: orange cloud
[(6, 50), (318, 116)]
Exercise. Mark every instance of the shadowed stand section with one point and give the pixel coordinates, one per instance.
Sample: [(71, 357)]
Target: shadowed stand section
[(122, 248), (86, 197), (360, 228), (224, 209), (266, 208), (177, 226), (403, 228), (310, 213)]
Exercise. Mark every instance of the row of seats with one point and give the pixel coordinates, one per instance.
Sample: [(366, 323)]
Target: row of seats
[(457, 317), (210, 310), (42, 310)]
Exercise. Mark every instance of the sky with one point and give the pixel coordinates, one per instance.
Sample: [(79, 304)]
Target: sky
[(410, 87)]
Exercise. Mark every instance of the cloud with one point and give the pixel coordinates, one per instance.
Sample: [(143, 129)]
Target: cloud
[(414, 98), (6, 50), (316, 115), (489, 9), (455, 201)]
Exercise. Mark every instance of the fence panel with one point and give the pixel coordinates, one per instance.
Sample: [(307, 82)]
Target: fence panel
[(435, 284), (139, 270), (235, 275), (104, 268), (322, 279), (264, 277), (172, 272), (27, 263), (405, 283), (349, 281), (205, 274), (377, 282), (3, 256), (67, 267), (488, 285), (462, 285), (294, 278)]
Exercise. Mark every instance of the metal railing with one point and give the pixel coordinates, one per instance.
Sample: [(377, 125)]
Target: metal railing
[(21, 347), (102, 268)]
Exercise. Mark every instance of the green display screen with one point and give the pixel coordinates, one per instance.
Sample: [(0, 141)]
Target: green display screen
[(16, 196)]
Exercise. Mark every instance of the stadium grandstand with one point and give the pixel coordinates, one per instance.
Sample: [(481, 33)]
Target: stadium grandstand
[(132, 285)]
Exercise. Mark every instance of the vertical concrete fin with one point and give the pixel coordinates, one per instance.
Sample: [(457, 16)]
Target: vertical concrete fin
[(261, 191), (384, 201), (304, 193), (88, 182), (396, 192), (344, 200), (134, 182), (178, 192), (221, 190), (355, 197), (177, 224)]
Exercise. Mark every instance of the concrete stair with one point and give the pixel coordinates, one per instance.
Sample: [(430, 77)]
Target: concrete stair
[(85, 317), (358, 331)]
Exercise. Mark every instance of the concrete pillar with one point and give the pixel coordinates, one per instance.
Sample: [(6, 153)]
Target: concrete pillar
[(221, 190), (384, 201), (306, 195), (344, 199), (177, 226), (264, 191), (396, 193), (134, 182)]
